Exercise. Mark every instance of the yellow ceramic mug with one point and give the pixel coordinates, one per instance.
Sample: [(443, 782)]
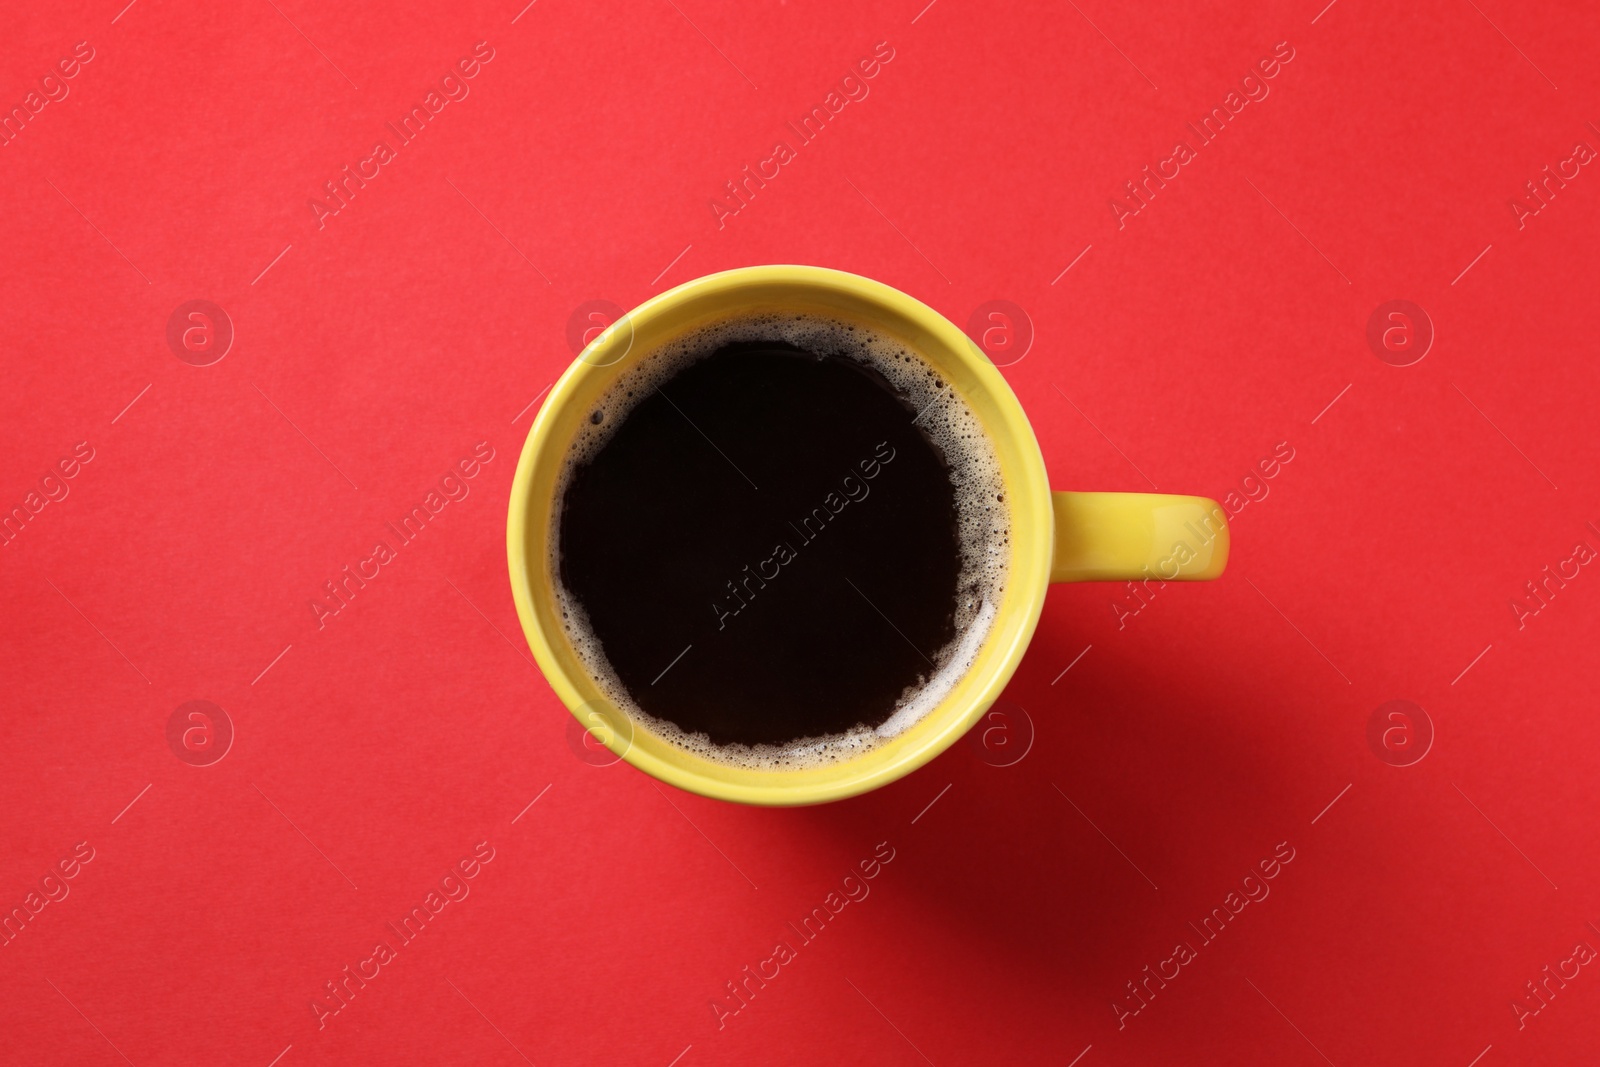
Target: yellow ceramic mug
[(1055, 537)]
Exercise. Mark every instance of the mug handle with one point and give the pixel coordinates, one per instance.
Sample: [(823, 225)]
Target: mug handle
[(1129, 536)]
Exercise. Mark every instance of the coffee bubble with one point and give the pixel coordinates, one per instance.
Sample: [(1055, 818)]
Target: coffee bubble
[(934, 407)]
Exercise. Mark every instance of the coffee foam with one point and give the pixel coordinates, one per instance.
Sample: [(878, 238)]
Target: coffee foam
[(982, 519)]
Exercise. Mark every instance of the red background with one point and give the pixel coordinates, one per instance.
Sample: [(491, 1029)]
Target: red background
[(424, 317)]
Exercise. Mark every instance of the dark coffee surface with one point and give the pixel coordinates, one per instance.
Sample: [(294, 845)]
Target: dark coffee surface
[(766, 548)]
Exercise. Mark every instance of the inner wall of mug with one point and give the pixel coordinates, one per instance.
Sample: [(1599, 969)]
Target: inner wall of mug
[(827, 295)]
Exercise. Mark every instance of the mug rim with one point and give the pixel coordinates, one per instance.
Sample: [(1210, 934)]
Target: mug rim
[(541, 448)]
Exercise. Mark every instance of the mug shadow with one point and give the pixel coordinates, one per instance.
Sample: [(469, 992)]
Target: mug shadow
[(1085, 860)]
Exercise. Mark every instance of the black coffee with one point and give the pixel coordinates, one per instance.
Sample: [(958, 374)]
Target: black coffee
[(768, 544)]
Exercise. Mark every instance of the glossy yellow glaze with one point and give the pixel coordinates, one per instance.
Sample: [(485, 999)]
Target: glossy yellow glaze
[(1054, 537)]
